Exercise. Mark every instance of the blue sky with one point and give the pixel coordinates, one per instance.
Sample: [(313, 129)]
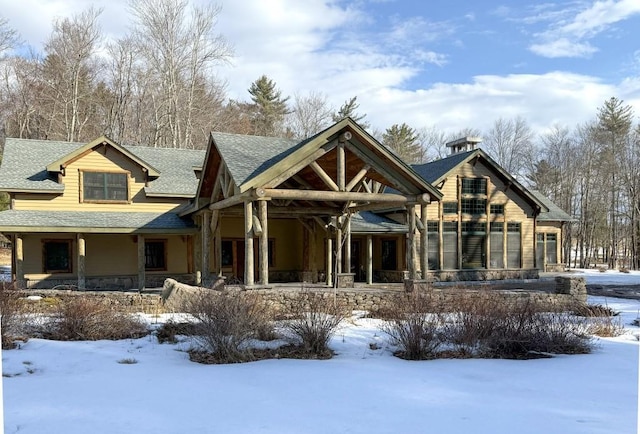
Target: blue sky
[(445, 64)]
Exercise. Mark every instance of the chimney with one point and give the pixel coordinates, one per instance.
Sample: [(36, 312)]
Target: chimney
[(463, 144)]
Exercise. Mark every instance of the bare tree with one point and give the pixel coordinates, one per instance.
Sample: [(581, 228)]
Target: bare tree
[(179, 50), (509, 142), (433, 142), (8, 37), (310, 115)]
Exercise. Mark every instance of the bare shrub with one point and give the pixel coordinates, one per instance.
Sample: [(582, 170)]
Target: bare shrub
[(225, 322), (315, 317), (169, 330), (605, 326), (87, 319), (593, 310), (10, 315), (414, 324)]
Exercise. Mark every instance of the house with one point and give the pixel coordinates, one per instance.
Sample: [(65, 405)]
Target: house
[(488, 225), (98, 215), (336, 207)]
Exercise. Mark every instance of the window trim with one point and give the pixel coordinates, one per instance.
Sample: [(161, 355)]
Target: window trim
[(69, 244), (477, 206), (493, 206), (165, 253), (475, 182), (451, 204), (127, 174)]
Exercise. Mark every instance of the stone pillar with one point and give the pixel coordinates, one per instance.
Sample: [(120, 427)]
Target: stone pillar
[(141, 263), (369, 259), (264, 243), (248, 243), (81, 261)]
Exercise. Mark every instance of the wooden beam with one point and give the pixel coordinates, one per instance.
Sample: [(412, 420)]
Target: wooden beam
[(337, 196), (359, 176), (231, 201), (324, 176), (342, 170), (295, 168)]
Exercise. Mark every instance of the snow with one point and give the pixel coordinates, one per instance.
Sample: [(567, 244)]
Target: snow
[(608, 277), (79, 387)]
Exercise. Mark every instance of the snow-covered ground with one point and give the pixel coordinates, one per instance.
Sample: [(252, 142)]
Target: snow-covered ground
[(80, 387), (609, 277)]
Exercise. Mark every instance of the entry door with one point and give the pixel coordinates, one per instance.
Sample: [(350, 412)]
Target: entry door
[(239, 262)]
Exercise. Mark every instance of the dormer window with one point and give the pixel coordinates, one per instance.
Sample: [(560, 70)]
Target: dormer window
[(105, 187)]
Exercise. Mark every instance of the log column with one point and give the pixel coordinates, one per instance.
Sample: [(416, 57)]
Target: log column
[(329, 260), (141, 263), (424, 241), (264, 242), (248, 243), (369, 259), (19, 258), (81, 261), (411, 241), (206, 246), (347, 246)]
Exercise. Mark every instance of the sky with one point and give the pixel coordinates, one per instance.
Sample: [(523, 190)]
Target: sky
[(448, 65)]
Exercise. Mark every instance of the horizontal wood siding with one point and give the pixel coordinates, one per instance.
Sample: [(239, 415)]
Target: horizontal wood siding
[(113, 161)]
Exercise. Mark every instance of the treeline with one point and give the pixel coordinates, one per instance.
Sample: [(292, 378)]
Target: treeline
[(157, 86)]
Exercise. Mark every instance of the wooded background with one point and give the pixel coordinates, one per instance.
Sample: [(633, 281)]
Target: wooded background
[(157, 87)]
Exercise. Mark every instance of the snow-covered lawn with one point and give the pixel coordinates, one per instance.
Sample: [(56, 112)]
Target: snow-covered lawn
[(80, 387)]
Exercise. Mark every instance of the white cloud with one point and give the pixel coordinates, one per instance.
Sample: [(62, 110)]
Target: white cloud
[(569, 38)]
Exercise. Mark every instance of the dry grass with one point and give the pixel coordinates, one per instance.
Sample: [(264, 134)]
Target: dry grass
[(11, 312)]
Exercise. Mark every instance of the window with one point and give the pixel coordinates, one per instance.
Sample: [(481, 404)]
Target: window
[(155, 255), (432, 245), (104, 186), (474, 206), (496, 245), (473, 244), (227, 253), (57, 256), (450, 207), (514, 250), (552, 249), (389, 255), (497, 209), (229, 246), (474, 186), (450, 245)]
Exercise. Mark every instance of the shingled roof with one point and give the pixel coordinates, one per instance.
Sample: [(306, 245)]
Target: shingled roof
[(93, 222), (25, 160), (555, 213)]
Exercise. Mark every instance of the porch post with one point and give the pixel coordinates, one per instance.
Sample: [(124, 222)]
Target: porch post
[(19, 258), (424, 241), (347, 245), (338, 248), (369, 259), (141, 263), (411, 241), (264, 243), (329, 260), (205, 231), (248, 243), (218, 249), (81, 261)]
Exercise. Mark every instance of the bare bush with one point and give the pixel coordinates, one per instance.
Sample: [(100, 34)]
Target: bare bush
[(225, 322), (593, 310), (10, 315), (315, 317), (86, 319), (605, 326), (414, 323)]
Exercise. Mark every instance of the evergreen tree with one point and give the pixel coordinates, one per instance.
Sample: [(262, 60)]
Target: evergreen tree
[(404, 141), (348, 110), (270, 107)]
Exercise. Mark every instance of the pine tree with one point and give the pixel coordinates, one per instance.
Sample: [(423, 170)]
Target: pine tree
[(404, 141), (270, 107), (348, 110)]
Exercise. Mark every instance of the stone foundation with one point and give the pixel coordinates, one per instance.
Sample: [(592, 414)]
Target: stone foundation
[(108, 283)]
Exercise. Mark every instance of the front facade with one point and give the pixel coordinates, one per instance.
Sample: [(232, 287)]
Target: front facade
[(336, 208)]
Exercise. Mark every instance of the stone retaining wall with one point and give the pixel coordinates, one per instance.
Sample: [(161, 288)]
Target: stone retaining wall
[(129, 302)]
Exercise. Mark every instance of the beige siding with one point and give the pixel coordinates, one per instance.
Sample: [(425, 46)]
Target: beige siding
[(112, 161)]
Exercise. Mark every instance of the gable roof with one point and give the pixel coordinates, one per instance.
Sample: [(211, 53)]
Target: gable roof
[(438, 170), (254, 159), (62, 162), (555, 213), (25, 161)]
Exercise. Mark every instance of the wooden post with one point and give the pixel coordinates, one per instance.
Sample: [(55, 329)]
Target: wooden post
[(341, 166), (347, 246), (411, 241), (218, 249), (369, 259), (338, 248), (206, 246), (248, 243), (81, 261), (264, 242), (329, 260), (19, 257), (141, 263), (424, 241)]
